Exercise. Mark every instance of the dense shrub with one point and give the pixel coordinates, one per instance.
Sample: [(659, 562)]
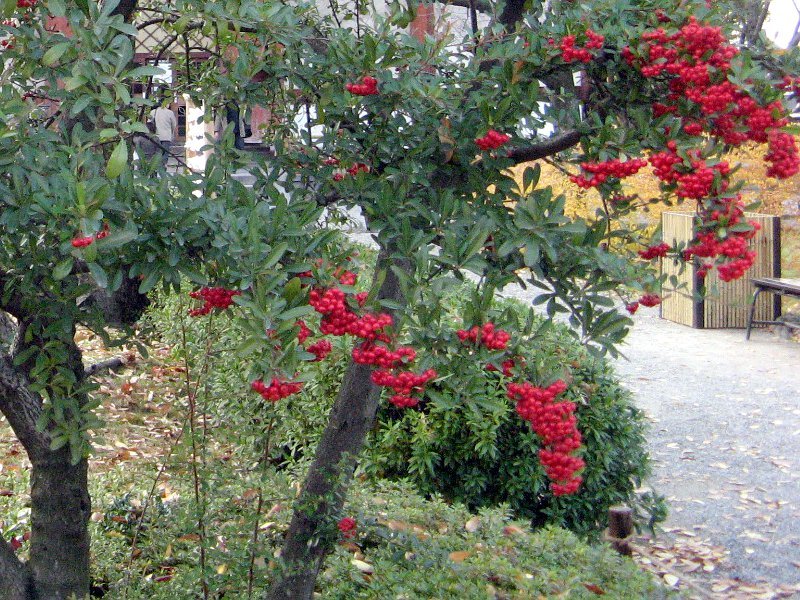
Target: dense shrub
[(464, 441), (473, 448)]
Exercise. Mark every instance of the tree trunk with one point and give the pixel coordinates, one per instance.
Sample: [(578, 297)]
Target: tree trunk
[(15, 578), (60, 509), (312, 532), (58, 568)]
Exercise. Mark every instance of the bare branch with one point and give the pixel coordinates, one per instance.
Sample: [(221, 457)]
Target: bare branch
[(112, 364), (554, 145)]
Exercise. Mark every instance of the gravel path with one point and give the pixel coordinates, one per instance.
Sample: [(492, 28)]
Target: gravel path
[(725, 438)]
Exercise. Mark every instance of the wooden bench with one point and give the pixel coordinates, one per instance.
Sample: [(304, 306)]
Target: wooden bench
[(780, 287)]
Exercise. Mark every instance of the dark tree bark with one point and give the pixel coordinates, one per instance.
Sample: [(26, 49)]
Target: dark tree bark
[(60, 509), (58, 567), (311, 532), (15, 577)]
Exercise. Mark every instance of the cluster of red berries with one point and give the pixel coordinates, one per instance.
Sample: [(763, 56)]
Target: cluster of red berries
[(320, 349), (492, 140), (358, 167), (656, 251), (783, 155), (83, 241), (718, 241), (404, 383), (697, 57), (370, 353), (277, 389), (347, 526), (571, 53), (650, 300), (486, 335), (506, 367), (353, 171), (338, 319), (367, 87), (26, 3), (601, 171), (632, 307), (555, 423), (216, 297), (304, 332)]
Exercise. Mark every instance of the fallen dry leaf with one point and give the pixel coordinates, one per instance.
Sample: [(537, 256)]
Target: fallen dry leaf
[(362, 566), (670, 579), (513, 530), (473, 524), (595, 589), (459, 556)]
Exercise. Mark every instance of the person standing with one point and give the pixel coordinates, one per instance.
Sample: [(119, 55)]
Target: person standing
[(166, 128)]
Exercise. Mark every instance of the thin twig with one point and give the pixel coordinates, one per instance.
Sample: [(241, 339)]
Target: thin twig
[(254, 540), (192, 398)]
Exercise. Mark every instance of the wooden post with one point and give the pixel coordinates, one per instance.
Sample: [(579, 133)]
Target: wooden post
[(620, 529)]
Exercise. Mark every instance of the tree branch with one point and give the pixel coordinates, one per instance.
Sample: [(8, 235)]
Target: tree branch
[(480, 5), (512, 13), (15, 578), (22, 408), (549, 147)]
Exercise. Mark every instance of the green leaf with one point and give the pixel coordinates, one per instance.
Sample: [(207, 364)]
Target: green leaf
[(118, 160), (73, 83), (56, 8), (83, 5), (53, 54), (298, 311), (99, 274), (147, 71), (120, 237), (59, 441), (276, 254), (150, 280), (63, 268)]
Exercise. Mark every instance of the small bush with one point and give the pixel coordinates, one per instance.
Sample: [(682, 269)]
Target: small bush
[(416, 548), (466, 442), (433, 549)]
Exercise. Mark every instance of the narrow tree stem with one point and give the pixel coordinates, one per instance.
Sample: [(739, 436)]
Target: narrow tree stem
[(312, 532)]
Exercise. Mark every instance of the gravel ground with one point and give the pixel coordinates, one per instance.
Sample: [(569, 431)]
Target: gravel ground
[(725, 438)]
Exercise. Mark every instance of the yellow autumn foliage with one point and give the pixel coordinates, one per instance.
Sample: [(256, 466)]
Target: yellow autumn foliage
[(752, 172)]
